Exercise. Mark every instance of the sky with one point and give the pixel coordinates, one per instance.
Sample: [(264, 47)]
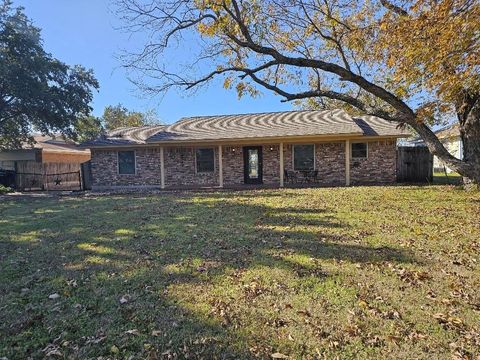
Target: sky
[(85, 32)]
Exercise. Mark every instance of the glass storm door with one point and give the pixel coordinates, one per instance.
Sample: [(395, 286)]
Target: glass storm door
[(252, 162)]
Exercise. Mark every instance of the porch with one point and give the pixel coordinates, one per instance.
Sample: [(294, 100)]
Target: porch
[(298, 164)]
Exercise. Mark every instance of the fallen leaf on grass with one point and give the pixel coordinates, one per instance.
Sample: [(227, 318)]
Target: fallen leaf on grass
[(278, 355), (52, 350), (132, 332), (72, 283), (414, 335), (448, 320), (304, 312), (363, 304)]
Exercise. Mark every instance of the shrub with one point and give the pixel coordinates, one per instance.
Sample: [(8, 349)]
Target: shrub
[(5, 189)]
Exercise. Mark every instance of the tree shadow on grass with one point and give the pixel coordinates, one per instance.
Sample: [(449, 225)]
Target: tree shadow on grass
[(96, 251)]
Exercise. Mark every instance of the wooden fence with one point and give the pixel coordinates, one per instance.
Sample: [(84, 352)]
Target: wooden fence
[(86, 171), (414, 164), (32, 175)]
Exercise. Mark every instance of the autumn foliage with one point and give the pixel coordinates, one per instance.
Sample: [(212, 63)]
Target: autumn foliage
[(410, 62)]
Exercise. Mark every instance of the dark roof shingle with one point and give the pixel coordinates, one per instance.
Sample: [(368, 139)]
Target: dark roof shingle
[(250, 126), (261, 125)]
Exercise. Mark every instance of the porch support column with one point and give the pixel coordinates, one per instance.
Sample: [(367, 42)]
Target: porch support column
[(162, 169), (281, 164), (220, 166), (347, 162)]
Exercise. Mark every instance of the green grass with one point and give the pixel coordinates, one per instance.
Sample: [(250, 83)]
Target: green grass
[(441, 178), (361, 272)]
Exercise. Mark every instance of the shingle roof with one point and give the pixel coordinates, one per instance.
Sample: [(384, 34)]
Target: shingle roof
[(55, 143), (375, 126), (449, 131), (126, 136), (245, 126), (250, 126)]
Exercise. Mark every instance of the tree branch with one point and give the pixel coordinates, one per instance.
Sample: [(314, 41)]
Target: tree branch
[(394, 8), (344, 74)]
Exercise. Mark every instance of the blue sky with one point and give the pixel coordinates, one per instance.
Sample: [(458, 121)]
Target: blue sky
[(83, 32)]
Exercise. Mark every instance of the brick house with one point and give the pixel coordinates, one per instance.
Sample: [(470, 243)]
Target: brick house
[(275, 149)]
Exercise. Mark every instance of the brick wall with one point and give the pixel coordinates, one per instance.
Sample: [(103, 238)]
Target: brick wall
[(379, 166), (232, 165), (105, 168), (329, 161), (271, 164), (180, 166)]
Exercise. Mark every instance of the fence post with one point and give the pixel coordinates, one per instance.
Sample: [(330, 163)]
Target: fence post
[(45, 177), (80, 182)]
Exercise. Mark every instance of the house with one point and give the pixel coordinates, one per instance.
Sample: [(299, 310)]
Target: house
[(233, 150), (47, 149), (52, 163), (450, 138)]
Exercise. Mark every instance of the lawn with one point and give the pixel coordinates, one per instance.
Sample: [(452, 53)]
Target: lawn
[(441, 178), (361, 272)]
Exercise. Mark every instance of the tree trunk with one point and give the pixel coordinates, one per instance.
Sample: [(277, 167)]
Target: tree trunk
[(437, 149), (469, 120), (468, 112)]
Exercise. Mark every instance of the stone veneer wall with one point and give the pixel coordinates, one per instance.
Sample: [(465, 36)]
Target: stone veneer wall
[(180, 166), (379, 166)]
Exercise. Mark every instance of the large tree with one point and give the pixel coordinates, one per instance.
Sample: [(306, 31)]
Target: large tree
[(119, 116), (113, 117), (88, 128), (37, 92), (409, 62)]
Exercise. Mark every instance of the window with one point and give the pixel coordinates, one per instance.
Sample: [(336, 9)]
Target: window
[(303, 157), (359, 150), (126, 162), (205, 160)]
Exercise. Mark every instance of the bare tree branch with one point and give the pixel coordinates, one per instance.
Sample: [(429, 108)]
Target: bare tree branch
[(392, 7)]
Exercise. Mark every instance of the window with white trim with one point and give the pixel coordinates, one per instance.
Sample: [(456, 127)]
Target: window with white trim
[(126, 162), (359, 150), (303, 157), (205, 159)]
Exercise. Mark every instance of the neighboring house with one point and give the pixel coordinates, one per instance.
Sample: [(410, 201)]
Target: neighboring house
[(232, 150), (47, 149), (450, 138)]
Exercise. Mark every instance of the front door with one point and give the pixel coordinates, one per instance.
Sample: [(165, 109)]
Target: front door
[(252, 164)]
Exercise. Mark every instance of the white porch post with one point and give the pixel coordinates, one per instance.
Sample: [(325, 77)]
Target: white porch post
[(220, 166), (281, 164), (162, 169), (347, 162)]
